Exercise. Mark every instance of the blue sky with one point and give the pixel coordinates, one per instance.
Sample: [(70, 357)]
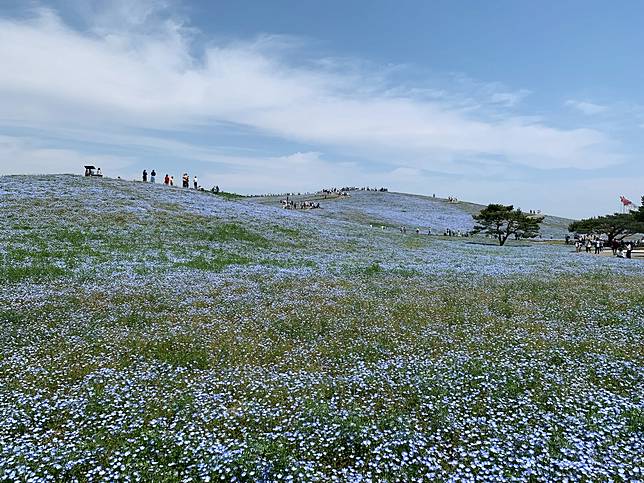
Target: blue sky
[(538, 104)]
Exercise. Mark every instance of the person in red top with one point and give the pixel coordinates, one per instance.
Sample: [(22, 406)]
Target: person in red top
[(166, 180)]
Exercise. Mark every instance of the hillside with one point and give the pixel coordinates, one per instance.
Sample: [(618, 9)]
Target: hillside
[(413, 211), (161, 334)]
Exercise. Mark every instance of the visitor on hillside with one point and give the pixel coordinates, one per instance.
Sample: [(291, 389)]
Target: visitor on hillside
[(145, 176), (171, 180), (98, 172), (597, 247), (194, 182), (588, 246), (153, 175), (615, 246), (185, 180), (629, 250), (166, 180)]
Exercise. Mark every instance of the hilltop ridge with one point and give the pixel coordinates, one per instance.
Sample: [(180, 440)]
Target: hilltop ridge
[(393, 209)]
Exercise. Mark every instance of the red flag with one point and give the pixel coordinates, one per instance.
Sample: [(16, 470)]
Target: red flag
[(625, 201)]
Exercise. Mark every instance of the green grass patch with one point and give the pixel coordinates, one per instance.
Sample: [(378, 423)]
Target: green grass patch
[(40, 272), (216, 262), (373, 269), (227, 232), (228, 196)]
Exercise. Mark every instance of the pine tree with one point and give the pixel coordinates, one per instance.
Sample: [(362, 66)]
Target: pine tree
[(502, 221)]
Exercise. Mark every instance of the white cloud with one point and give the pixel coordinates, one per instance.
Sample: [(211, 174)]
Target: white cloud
[(586, 107), (309, 171), (144, 74), (23, 155)]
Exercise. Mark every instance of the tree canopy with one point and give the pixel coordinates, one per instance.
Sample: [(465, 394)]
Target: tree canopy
[(617, 226), (639, 214), (502, 221)]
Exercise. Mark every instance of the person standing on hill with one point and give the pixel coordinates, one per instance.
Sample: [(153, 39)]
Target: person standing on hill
[(153, 176), (145, 176), (171, 180), (166, 180), (195, 183)]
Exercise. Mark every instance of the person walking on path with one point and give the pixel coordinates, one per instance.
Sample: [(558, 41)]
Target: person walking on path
[(145, 176), (615, 246), (195, 183), (153, 176)]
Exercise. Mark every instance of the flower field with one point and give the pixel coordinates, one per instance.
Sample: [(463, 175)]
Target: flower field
[(151, 333)]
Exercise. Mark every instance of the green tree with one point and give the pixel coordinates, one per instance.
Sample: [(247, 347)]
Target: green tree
[(617, 226), (502, 221), (639, 214)]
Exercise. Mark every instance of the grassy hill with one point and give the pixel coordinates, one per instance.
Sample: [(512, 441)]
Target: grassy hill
[(414, 211), (163, 334)]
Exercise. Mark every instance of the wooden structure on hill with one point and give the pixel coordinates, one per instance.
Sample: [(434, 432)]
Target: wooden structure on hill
[(92, 171)]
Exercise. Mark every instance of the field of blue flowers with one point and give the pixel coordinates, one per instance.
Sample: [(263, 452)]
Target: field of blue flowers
[(160, 334)]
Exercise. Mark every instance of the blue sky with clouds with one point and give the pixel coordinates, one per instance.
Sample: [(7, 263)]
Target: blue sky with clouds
[(533, 103)]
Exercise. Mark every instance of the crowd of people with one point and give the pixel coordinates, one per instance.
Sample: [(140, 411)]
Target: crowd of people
[(447, 232), (596, 244), (450, 232), (351, 188), (301, 205), (169, 180), (451, 199)]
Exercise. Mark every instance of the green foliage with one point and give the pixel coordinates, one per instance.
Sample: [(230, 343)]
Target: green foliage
[(635, 420), (639, 214), (37, 272), (618, 225), (228, 196), (501, 221), (227, 232), (372, 269), (216, 262), (178, 350)]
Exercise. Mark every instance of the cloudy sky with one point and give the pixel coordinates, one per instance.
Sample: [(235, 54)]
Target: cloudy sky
[(539, 104)]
